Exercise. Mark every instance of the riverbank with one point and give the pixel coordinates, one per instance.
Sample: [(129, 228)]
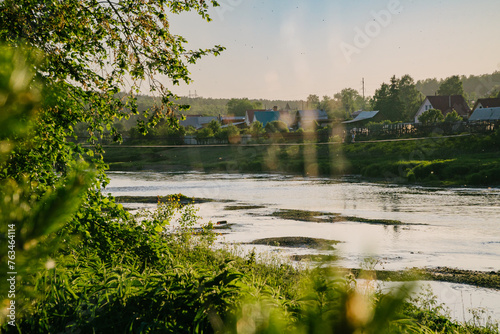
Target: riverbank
[(249, 217), (468, 160), (486, 279)]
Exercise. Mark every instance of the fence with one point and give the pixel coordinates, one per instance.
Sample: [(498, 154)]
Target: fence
[(408, 130), (335, 133)]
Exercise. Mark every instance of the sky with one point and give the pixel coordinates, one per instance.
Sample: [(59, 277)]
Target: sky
[(289, 49)]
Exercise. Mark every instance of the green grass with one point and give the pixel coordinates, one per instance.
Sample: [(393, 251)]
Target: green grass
[(126, 277), (469, 160)]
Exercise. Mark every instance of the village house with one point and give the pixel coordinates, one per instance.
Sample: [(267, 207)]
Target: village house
[(306, 119), (486, 103), (250, 115), (269, 115), (485, 115), (445, 104), (364, 117), (196, 121), (238, 121)]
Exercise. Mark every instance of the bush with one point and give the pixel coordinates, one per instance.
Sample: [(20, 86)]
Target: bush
[(431, 116), (204, 133), (452, 117), (276, 127)]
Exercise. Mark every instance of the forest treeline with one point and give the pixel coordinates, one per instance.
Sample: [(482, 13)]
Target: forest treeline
[(340, 105)]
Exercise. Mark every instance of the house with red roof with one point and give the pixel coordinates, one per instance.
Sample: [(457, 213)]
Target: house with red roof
[(486, 103), (445, 104)]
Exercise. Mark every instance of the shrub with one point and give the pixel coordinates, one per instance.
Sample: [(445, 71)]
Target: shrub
[(431, 116)]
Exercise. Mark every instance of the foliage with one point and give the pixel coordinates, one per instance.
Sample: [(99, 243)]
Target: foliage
[(452, 116), (86, 264), (230, 133), (312, 102), (431, 116), (276, 127), (451, 86), (257, 128), (29, 216), (475, 86), (214, 125), (204, 133), (324, 104), (165, 133), (350, 100), (397, 101), (238, 107), (92, 51)]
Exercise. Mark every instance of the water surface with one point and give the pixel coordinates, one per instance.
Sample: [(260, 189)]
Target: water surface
[(451, 227)]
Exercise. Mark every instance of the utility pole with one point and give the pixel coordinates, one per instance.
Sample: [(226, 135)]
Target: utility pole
[(363, 82)]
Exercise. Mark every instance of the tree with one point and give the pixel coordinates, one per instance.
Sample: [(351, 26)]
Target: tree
[(386, 100), (431, 116), (312, 102), (451, 86), (276, 126), (428, 86), (452, 116), (350, 99), (257, 128), (90, 59), (238, 107), (27, 220), (232, 131), (397, 101), (214, 125), (93, 50), (409, 96), (204, 133), (325, 104)]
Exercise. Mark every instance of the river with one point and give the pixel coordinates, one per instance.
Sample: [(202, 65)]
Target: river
[(451, 227)]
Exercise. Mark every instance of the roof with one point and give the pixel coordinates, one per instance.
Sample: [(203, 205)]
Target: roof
[(312, 114), (485, 114), (356, 113), (450, 102), (266, 116), (363, 116), (487, 103), (232, 119), (196, 121), (250, 114)]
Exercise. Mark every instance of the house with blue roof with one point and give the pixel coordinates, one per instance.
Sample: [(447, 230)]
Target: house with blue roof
[(485, 115), (307, 118), (363, 117), (266, 116)]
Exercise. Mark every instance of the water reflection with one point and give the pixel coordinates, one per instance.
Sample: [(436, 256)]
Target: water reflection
[(455, 227), (452, 227)]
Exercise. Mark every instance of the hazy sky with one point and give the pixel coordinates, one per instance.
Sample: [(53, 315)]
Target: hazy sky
[(288, 49)]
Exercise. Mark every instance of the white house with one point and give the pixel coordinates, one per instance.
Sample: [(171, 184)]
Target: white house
[(445, 104)]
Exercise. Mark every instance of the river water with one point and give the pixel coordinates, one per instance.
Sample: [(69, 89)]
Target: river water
[(452, 227)]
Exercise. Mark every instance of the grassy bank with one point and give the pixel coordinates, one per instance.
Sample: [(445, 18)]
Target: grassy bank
[(132, 277), (468, 160)]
